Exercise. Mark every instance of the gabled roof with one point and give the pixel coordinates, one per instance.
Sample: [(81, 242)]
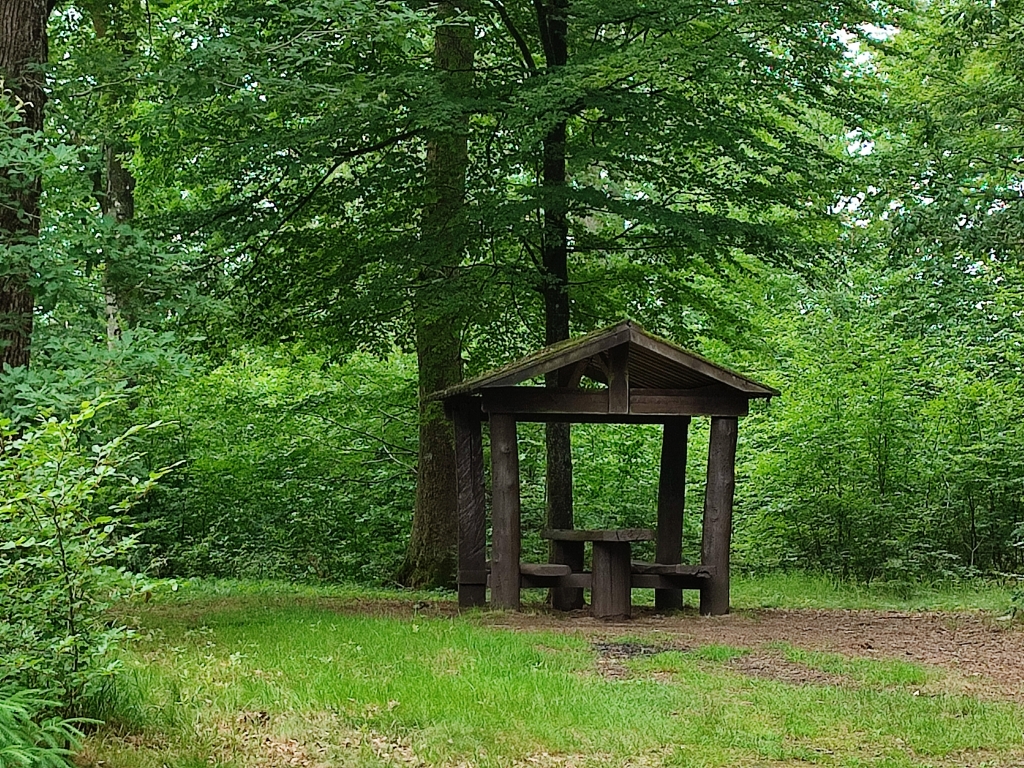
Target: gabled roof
[(653, 363)]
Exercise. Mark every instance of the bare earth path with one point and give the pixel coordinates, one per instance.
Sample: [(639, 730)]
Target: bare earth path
[(986, 655)]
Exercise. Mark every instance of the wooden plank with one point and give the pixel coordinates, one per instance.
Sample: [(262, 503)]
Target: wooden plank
[(572, 581), (657, 581), (718, 497), (703, 401), (610, 591), (544, 569), (671, 503), (674, 569), (521, 400), (591, 418), (618, 379), (472, 513), (505, 522), (665, 403), (617, 534)]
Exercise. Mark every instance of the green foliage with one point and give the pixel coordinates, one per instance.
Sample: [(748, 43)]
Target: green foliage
[(295, 467), (895, 450), (61, 535), (28, 737)]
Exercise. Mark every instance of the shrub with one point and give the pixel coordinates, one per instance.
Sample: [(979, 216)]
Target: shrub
[(60, 537)]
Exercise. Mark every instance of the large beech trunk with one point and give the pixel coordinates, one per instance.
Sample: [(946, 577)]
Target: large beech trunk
[(23, 52), (431, 558)]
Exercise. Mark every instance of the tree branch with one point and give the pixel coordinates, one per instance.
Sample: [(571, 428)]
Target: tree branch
[(524, 49)]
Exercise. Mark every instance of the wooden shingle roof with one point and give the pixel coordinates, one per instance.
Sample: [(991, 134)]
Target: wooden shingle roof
[(652, 363)]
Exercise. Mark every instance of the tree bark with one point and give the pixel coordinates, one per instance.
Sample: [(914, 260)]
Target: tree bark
[(431, 558), (23, 52), (553, 23)]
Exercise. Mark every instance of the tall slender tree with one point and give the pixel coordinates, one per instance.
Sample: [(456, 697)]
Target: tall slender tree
[(553, 28), (115, 26)]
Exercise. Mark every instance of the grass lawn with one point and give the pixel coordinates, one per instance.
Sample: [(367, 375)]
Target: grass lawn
[(267, 675)]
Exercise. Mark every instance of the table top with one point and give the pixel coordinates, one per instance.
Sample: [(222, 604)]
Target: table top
[(617, 534)]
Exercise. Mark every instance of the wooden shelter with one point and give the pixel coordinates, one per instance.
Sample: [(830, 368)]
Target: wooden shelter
[(636, 378)]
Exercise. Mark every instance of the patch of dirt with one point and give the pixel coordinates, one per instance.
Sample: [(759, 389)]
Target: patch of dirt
[(987, 657), (773, 666), (611, 656)]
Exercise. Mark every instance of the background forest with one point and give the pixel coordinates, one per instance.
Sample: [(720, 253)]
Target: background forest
[(264, 229)]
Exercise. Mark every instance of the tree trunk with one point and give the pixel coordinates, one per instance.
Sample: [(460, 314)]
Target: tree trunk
[(431, 558), (118, 205), (553, 22), (23, 53), (116, 193)]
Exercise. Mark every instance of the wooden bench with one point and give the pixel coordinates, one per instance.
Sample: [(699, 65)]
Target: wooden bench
[(547, 576), (664, 576), (611, 579)]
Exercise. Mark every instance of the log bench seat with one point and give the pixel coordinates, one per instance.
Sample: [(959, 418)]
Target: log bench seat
[(547, 576), (666, 576)]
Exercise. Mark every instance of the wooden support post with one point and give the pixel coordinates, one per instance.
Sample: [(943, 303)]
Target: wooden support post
[(618, 379), (610, 587), (671, 502), (505, 531), (469, 472), (714, 598)]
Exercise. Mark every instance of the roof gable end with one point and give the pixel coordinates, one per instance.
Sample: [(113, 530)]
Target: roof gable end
[(653, 363)]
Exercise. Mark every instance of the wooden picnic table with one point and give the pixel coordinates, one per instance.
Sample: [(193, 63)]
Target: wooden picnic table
[(611, 583)]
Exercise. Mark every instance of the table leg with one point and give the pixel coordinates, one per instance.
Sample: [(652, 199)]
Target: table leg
[(610, 589)]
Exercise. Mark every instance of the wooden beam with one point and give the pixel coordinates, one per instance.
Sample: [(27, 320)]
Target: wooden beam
[(718, 496), (663, 569), (574, 374), (570, 553), (544, 400), (505, 531), (571, 581), (618, 379), (705, 401), (659, 581), (600, 418), (615, 534), (671, 503), (472, 513), (527, 402), (551, 360)]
